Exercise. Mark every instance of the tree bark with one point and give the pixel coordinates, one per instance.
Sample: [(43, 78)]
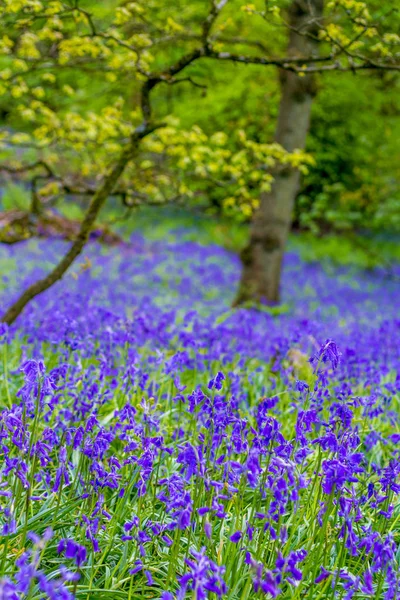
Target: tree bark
[(262, 257), (97, 202)]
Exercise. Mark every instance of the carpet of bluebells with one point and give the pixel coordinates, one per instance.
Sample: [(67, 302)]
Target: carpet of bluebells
[(156, 444)]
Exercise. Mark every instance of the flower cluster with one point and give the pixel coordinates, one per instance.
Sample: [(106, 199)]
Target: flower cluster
[(155, 445)]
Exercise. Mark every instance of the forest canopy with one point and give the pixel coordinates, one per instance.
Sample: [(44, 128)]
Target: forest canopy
[(70, 95)]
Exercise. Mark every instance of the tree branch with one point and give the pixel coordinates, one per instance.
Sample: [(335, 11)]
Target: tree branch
[(188, 80), (289, 64), (208, 23), (97, 202), (25, 168)]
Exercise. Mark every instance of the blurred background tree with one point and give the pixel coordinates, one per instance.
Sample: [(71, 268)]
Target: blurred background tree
[(82, 83)]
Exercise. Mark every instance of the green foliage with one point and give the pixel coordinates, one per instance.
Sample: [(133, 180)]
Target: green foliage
[(15, 196), (71, 210), (71, 90), (228, 172), (354, 140), (346, 249)]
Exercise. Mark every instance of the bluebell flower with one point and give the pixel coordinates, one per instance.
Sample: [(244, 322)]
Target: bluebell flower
[(216, 382), (72, 550)]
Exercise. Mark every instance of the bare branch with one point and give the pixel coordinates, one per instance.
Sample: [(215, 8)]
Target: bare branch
[(165, 76), (26, 168), (216, 8), (189, 80), (289, 64)]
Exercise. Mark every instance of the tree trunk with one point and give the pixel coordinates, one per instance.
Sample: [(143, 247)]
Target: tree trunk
[(262, 257), (95, 206)]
